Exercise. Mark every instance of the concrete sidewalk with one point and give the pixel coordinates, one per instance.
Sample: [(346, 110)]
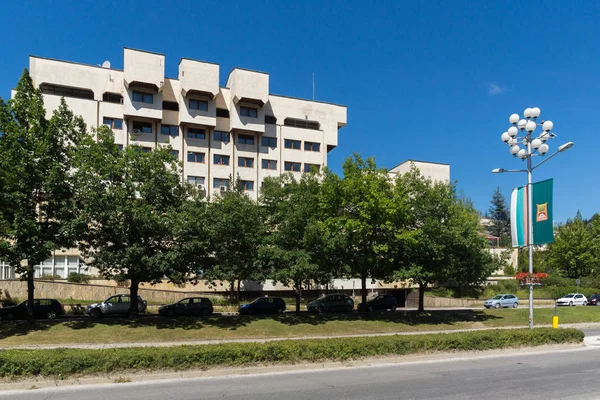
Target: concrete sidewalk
[(98, 346)]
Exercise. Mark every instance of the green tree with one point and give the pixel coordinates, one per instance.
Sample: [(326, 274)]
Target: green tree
[(499, 214), (238, 229), (575, 251), (36, 194), (290, 250), (130, 201), (442, 241), (358, 209)]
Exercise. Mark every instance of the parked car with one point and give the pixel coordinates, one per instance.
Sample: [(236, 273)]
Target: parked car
[(188, 306), (502, 300), (42, 308), (382, 302), (594, 300), (331, 303), (572, 299), (114, 305), (263, 305)]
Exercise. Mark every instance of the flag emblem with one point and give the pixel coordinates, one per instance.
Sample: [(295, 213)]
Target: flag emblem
[(542, 212)]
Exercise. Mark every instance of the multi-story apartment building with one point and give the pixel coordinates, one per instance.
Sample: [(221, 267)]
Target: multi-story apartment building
[(240, 130)]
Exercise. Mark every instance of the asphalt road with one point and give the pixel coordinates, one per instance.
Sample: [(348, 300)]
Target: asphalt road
[(564, 374)]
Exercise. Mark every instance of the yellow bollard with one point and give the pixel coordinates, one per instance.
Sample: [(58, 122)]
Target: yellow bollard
[(555, 321)]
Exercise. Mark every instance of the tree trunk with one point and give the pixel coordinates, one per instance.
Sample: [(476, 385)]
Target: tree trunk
[(237, 294), (363, 289), (232, 291), (327, 288), (298, 297), (422, 286), (133, 294), (30, 293)]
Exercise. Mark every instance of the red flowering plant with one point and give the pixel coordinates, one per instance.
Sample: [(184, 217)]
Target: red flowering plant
[(536, 278)]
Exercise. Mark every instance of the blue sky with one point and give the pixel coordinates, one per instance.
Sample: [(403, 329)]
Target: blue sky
[(422, 80)]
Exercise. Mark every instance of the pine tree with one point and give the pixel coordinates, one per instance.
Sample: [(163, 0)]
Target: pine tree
[(500, 216)]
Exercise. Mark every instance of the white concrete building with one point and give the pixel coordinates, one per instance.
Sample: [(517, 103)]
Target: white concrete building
[(240, 130), (216, 132), (430, 170)]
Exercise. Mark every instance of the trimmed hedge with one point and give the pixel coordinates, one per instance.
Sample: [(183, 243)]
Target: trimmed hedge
[(65, 362)]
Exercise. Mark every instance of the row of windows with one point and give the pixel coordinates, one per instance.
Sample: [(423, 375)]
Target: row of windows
[(148, 98), (247, 162), (244, 162), (297, 145), (218, 136), (219, 182)]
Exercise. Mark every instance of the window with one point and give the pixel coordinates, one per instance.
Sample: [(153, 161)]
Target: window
[(112, 97), (221, 160), (143, 97), (220, 136), (309, 167), (292, 166), (301, 123), (195, 157), (113, 123), (196, 133), (195, 180), (247, 185), (142, 127), (67, 91), (200, 105), (269, 164), (120, 147), (248, 112), (269, 119), (246, 162), (170, 105), (245, 139), (171, 130), (222, 113), (175, 154), (292, 144), (269, 141), (310, 146), (220, 183), (146, 149)]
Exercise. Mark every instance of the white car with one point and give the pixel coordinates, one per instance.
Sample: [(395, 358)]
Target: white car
[(572, 299)]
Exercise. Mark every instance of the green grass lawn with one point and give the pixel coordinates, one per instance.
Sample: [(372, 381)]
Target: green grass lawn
[(61, 363), (116, 330)]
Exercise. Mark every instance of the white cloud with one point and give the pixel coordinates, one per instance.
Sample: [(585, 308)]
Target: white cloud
[(495, 89)]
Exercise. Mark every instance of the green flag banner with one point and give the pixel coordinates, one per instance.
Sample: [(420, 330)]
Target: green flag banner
[(543, 226), (541, 215)]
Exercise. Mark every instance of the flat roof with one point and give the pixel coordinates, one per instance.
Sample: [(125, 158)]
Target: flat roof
[(201, 61), (143, 51), (419, 161), (313, 101), (74, 62), (247, 69)]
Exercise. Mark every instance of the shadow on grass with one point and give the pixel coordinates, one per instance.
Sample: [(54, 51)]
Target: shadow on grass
[(410, 318), (234, 322)]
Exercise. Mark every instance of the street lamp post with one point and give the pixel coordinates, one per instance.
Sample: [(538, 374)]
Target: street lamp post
[(534, 147)]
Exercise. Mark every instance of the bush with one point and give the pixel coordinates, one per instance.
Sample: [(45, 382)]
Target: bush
[(75, 277), (56, 362)]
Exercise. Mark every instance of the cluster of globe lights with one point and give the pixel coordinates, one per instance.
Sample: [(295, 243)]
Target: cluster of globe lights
[(528, 124)]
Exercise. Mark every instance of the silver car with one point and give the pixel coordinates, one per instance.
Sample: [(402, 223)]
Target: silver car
[(502, 300), (114, 305)]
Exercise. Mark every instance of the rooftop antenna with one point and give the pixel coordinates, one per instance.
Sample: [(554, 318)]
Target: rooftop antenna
[(313, 86)]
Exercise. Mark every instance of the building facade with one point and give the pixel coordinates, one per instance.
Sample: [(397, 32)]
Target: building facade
[(240, 130), (436, 172)]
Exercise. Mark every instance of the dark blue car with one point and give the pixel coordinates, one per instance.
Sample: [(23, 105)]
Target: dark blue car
[(263, 305)]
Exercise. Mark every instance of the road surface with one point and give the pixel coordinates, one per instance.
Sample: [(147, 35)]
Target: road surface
[(562, 374)]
